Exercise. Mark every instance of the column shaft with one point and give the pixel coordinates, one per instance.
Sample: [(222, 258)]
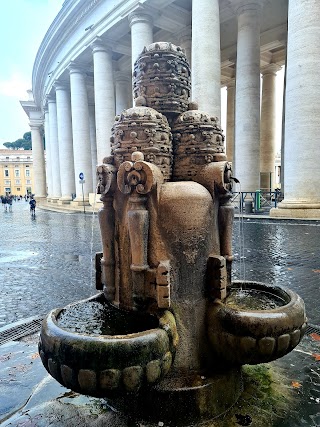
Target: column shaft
[(48, 154), (65, 143), (247, 103), (268, 128), (39, 175), (230, 121), (302, 107), (104, 97), (123, 91), (206, 63), (141, 33), (93, 145), (81, 133), (54, 150)]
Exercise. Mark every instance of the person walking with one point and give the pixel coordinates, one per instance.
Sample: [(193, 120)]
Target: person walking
[(32, 204), (4, 203), (9, 201)]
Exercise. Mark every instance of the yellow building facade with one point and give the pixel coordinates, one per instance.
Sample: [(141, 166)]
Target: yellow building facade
[(16, 172)]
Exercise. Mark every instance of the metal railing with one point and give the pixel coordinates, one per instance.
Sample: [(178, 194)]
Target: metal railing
[(255, 201)]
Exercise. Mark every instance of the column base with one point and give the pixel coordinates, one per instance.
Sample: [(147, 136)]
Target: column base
[(79, 201), (296, 210), (65, 200), (54, 199)]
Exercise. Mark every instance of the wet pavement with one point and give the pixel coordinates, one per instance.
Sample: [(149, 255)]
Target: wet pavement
[(47, 262)]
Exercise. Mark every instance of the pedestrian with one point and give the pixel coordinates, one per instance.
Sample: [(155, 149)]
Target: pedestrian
[(9, 201), (33, 204), (4, 203)]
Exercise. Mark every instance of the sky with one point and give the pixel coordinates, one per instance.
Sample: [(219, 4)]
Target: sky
[(23, 24)]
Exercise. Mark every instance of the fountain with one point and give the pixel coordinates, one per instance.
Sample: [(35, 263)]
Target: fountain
[(168, 333)]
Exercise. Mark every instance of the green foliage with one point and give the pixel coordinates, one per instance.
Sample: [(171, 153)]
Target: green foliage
[(21, 143)]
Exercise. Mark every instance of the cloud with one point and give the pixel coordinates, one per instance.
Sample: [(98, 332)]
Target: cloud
[(16, 86)]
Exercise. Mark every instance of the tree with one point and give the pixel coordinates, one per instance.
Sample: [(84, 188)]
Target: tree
[(21, 143)]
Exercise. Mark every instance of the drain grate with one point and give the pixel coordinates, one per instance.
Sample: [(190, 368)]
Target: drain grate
[(312, 329), (20, 329)]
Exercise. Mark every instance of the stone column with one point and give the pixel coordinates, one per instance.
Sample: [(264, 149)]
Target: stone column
[(185, 41), (80, 133), (247, 102), (141, 32), (39, 174), (65, 142), (206, 63), (230, 120), (123, 91), (268, 127), (104, 96), (93, 145), (302, 107), (54, 150), (48, 154)]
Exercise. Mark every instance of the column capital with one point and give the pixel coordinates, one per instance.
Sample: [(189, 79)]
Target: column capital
[(36, 125), (270, 69), (50, 99), (138, 16), (122, 76), (241, 6), (61, 85), (76, 68), (231, 83), (98, 45)]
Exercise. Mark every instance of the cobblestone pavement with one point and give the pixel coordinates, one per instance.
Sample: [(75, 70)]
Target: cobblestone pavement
[(47, 262)]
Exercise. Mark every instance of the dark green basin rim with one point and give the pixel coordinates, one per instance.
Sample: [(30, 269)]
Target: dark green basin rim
[(51, 320), (290, 297)]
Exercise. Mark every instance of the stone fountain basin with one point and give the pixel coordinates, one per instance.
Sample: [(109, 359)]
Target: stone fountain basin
[(103, 365), (241, 335)]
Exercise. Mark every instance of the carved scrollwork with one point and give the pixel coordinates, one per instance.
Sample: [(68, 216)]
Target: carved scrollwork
[(137, 175), (106, 174)]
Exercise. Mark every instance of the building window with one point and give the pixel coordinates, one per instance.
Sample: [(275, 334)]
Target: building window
[(17, 172), (7, 182), (18, 189), (16, 166), (17, 181), (27, 166), (27, 172), (7, 189), (28, 181), (7, 158), (28, 158), (6, 172)]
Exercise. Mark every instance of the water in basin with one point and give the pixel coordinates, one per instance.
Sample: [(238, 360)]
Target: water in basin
[(101, 318), (253, 299)]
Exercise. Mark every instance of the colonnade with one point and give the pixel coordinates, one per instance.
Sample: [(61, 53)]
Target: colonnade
[(77, 134)]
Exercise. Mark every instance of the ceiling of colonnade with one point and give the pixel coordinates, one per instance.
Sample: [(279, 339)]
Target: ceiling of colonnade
[(170, 18)]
